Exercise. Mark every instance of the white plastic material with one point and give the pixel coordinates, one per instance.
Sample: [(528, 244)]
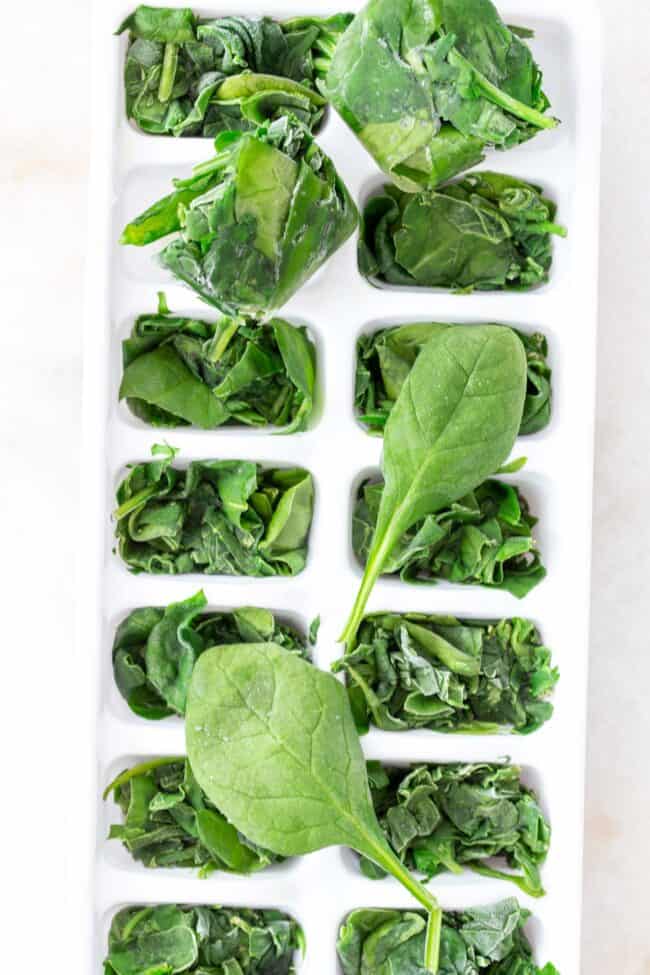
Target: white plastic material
[(131, 170)]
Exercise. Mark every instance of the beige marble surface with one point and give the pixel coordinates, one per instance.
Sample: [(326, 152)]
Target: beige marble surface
[(43, 170)]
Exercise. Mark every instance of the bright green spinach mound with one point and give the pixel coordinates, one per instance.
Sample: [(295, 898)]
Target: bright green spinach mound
[(180, 371), (412, 670), (218, 940), (479, 941), (188, 75), (218, 517), (253, 223), (155, 649), (485, 232), (441, 818), (385, 358)]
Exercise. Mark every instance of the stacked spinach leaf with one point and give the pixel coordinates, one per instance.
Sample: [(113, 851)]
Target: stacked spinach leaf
[(154, 650), (479, 941), (485, 232), (442, 818), (412, 670), (224, 517), (219, 940), (253, 223), (385, 358), (186, 75), (426, 85), (180, 370)]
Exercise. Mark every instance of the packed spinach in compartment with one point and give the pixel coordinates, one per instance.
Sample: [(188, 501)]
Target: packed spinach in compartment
[(155, 649), (385, 358), (253, 223), (485, 232), (196, 76), (180, 370), (427, 85), (413, 670), (484, 538), (479, 941), (441, 818), (218, 517), (218, 940), (168, 821)]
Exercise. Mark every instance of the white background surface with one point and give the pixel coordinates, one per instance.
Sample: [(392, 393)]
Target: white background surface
[(43, 167)]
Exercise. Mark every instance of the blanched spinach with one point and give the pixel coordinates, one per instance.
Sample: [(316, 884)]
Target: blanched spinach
[(170, 938), (385, 358), (187, 75), (411, 670), (441, 818), (170, 822), (218, 517), (487, 232), (426, 85), (479, 941), (253, 223), (181, 371), (155, 649), (484, 538)]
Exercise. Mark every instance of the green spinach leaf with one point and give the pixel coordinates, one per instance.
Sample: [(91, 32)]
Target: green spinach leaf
[(486, 232), (218, 517), (411, 670), (453, 424)]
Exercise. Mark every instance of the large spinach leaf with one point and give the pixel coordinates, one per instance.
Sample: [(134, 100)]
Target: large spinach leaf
[(218, 517), (411, 670), (426, 85), (170, 938), (181, 370), (253, 223), (479, 941), (487, 232), (155, 649), (385, 358), (484, 538), (190, 76), (442, 818), (272, 742), (453, 424)]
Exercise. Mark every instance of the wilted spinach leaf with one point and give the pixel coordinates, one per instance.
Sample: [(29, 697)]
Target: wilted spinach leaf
[(218, 517), (253, 223), (411, 670), (170, 938), (385, 358), (487, 232), (427, 86), (484, 538), (155, 649), (186, 75), (479, 941), (181, 371), (442, 818)]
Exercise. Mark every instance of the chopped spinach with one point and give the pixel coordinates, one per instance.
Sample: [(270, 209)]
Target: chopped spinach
[(478, 941), (181, 371), (427, 86), (170, 822), (170, 938), (487, 232), (155, 649), (441, 818), (253, 223), (484, 538), (218, 517), (385, 358), (186, 75), (412, 670)]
